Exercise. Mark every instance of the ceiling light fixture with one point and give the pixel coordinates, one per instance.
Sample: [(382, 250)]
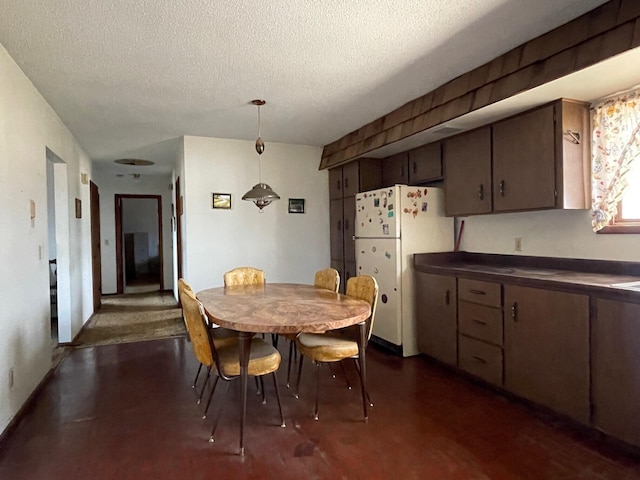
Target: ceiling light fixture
[(261, 194)]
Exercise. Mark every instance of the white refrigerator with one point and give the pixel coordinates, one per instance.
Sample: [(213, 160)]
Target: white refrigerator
[(391, 225)]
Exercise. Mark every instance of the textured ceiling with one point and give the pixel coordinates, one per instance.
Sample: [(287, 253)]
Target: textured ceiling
[(127, 77)]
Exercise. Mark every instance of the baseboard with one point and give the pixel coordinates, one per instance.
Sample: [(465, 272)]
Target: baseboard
[(388, 346), (13, 423)]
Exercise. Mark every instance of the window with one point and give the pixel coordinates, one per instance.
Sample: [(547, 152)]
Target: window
[(628, 218)]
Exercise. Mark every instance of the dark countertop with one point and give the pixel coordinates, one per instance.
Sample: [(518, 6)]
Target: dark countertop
[(607, 279)]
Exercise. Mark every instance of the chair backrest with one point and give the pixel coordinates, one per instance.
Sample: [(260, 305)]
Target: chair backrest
[(197, 328), (365, 287), (183, 285), (244, 276), (329, 279)]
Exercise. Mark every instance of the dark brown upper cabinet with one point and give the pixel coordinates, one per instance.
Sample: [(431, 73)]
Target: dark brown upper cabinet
[(467, 173), (425, 163), (335, 183), (395, 169), (541, 158), (535, 160)]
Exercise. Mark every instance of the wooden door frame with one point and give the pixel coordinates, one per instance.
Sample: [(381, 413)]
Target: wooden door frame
[(119, 238), (96, 255), (179, 213)]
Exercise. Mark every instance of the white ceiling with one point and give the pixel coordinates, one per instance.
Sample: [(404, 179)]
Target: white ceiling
[(129, 77)]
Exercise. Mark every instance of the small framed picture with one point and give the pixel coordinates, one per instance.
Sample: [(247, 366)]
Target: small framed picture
[(222, 200), (296, 205), (78, 208)]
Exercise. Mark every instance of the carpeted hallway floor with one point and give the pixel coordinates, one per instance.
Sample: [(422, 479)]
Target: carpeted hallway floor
[(133, 317)]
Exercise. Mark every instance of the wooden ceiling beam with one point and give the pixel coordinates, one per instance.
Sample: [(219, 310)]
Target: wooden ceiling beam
[(608, 30)]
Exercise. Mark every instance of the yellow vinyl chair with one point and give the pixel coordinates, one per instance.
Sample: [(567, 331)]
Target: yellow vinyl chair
[(244, 276), (248, 276), (225, 361), (335, 346), (329, 279), (221, 336)]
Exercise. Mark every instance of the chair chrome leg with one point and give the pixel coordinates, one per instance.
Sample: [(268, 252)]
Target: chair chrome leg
[(275, 385), (213, 389), (291, 344), (217, 420), (264, 394), (206, 380), (367, 391), (315, 414), (299, 375), (197, 375), (258, 392)]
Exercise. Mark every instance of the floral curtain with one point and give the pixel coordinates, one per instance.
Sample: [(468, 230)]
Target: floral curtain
[(615, 146)]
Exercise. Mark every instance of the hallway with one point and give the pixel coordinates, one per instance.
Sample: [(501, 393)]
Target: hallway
[(128, 411)]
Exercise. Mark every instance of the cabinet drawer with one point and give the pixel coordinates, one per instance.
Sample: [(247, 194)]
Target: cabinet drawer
[(480, 359), (477, 291), (481, 322)]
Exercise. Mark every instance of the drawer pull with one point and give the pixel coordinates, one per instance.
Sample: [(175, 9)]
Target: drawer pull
[(481, 322), (479, 359), (514, 311), (477, 292), (481, 192)]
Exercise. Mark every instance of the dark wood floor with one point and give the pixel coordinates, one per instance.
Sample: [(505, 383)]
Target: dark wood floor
[(128, 412)]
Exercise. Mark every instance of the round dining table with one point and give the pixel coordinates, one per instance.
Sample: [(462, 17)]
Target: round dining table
[(283, 308)]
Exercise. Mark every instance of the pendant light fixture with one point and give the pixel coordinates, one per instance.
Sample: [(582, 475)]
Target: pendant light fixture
[(261, 194)]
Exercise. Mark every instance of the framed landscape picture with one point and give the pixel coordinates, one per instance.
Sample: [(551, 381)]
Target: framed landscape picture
[(296, 205), (222, 200)]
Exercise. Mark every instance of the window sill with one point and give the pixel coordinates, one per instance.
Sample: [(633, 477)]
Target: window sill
[(621, 228)]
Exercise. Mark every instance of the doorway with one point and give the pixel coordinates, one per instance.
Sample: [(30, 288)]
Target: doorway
[(96, 266), (139, 245), (58, 248)]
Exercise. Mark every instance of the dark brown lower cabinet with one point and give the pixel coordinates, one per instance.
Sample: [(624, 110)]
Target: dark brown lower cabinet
[(436, 312), (546, 348), (615, 358)]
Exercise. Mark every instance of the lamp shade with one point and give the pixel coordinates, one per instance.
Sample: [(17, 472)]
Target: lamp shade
[(261, 194)]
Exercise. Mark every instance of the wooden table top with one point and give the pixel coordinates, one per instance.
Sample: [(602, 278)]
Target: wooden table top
[(281, 308)]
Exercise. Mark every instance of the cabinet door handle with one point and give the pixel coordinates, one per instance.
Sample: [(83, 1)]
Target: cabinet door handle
[(481, 192), (480, 322), (447, 297), (339, 225), (415, 168), (502, 185), (346, 183), (514, 311), (338, 185), (479, 359), (346, 225), (402, 170), (477, 292)]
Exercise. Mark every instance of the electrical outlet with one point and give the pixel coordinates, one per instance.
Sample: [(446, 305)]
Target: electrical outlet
[(518, 244), (11, 378)]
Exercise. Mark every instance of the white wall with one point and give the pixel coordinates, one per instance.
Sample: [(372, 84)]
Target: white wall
[(549, 233), (109, 185), (28, 126), (288, 247)]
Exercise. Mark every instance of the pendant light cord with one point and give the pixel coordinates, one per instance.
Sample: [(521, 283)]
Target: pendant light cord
[(259, 154)]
